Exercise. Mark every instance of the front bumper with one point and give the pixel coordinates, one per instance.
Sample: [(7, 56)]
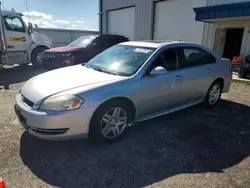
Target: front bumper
[(54, 125), (56, 62)]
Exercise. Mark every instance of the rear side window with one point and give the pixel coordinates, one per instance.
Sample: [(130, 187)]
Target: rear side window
[(189, 57)]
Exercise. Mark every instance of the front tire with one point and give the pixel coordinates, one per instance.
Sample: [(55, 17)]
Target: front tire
[(109, 122), (35, 59), (213, 95)]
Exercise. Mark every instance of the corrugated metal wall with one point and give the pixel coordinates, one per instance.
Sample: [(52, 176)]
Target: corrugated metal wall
[(143, 15), (62, 37)]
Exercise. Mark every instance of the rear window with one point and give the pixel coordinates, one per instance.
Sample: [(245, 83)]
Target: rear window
[(196, 56)]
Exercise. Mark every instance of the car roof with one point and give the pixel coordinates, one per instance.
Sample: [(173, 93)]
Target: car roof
[(108, 35), (153, 43), (11, 13)]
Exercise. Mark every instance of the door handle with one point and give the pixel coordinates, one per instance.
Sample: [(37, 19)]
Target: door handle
[(177, 77), (10, 46), (209, 71)]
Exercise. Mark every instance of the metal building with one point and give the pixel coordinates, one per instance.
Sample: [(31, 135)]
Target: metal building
[(221, 25)]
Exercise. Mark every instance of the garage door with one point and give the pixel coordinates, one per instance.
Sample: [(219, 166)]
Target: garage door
[(175, 20), (122, 22)]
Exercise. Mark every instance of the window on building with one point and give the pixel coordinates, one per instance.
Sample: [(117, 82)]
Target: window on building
[(13, 24)]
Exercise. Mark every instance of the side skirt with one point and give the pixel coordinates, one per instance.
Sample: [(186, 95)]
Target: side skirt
[(165, 112)]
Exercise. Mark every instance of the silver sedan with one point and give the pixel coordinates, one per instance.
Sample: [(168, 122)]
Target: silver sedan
[(127, 83)]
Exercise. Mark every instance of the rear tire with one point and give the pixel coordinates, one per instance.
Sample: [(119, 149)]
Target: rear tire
[(213, 95), (35, 60), (109, 122)]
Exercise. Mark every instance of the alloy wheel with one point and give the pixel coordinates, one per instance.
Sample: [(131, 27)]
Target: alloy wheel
[(214, 94), (113, 123)]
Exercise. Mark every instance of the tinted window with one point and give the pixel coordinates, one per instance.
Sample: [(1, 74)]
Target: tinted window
[(13, 24), (189, 57), (167, 59), (121, 59), (110, 40)]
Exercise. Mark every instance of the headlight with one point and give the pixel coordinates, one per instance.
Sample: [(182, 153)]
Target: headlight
[(60, 103), (66, 54)]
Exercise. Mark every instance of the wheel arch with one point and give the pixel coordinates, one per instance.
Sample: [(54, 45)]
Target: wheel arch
[(122, 99), (221, 80), (34, 48)]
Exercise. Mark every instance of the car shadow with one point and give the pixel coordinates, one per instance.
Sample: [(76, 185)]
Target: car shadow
[(17, 74), (194, 140)]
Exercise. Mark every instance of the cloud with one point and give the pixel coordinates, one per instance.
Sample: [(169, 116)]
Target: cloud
[(61, 21), (79, 21), (38, 15), (48, 21)]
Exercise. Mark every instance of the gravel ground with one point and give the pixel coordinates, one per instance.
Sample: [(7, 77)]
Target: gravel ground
[(191, 148)]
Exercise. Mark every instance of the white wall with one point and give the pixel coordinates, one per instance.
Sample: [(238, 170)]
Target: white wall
[(175, 20), (122, 22), (217, 2), (62, 37)]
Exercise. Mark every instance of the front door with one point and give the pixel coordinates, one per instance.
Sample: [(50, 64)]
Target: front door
[(17, 37), (163, 91)]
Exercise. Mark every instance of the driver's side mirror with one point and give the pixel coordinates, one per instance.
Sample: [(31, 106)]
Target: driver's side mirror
[(158, 71), (30, 28)]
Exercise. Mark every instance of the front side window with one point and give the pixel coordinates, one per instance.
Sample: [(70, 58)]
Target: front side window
[(13, 23), (190, 57), (122, 60), (167, 60)]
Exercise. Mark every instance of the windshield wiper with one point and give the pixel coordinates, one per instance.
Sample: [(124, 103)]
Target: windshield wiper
[(103, 70), (86, 65)]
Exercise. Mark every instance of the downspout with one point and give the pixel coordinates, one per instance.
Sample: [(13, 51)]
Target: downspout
[(100, 16), (3, 42)]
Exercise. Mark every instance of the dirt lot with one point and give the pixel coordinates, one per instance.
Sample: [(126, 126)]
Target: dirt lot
[(191, 148)]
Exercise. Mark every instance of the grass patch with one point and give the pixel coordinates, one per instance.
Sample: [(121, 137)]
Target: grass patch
[(241, 82)]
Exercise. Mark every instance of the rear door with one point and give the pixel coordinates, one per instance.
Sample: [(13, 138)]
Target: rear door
[(196, 68)]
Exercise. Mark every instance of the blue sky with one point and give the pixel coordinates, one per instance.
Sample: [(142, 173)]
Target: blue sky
[(72, 14)]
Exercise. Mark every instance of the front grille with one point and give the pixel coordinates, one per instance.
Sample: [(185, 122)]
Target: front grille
[(51, 55), (27, 101)]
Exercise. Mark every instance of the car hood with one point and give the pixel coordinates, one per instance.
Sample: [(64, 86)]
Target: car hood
[(60, 80), (65, 49)]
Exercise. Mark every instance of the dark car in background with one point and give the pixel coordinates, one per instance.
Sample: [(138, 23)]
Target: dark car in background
[(79, 51)]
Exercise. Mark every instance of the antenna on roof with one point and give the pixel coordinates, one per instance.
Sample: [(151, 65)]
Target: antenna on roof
[(27, 9)]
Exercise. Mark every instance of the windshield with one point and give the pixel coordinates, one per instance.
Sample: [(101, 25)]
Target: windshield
[(83, 41), (121, 59)]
